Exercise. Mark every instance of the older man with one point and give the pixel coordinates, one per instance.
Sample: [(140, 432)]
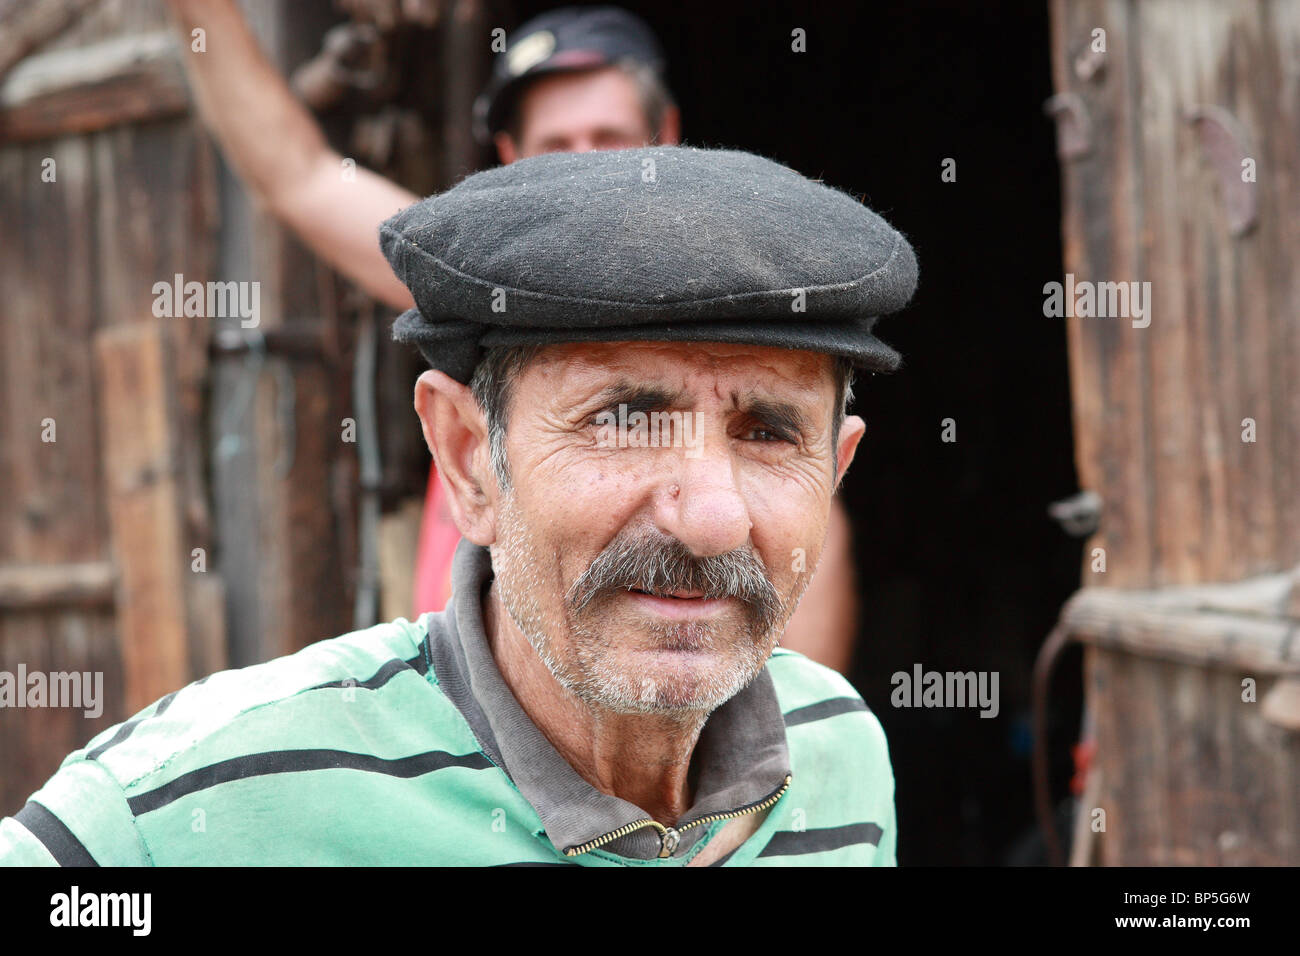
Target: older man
[(640, 365), (571, 79)]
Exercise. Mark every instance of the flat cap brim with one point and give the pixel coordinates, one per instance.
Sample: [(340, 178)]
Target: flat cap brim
[(457, 348), (660, 243)]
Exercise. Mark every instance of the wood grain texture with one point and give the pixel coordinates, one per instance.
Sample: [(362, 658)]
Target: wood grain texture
[(32, 586), (34, 742), (144, 502), (1191, 774), (129, 206), (280, 508), (123, 80), (27, 24)]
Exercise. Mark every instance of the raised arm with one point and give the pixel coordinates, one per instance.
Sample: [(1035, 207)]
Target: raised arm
[(277, 148)]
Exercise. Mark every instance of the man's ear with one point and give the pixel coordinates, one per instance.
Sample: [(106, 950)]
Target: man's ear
[(851, 431), (507, 149), (455, 430), (670, 128)]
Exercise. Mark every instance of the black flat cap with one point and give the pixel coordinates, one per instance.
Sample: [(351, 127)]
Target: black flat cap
[(664, 243)]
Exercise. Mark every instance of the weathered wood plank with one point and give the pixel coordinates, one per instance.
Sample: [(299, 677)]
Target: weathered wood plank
[(1190, 772), (26, 26), (47, 417), (124, 80), (128, 206), (27, 587), (1209, 781), (34, 742), (1110, 618), (144, 504), (278, 466), (1101, 233), (464, 74)]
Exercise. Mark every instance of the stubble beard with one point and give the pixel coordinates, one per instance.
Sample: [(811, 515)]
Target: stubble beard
[(597, 673)]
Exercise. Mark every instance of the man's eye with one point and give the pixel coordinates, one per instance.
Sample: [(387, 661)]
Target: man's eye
[(766, 435)]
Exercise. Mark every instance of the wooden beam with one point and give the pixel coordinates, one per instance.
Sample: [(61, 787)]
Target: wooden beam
[(1109, 618), (26, 26), (464, 74), (282, 491), (124, 80), (30, 587), (1246, 624), (141, 473)]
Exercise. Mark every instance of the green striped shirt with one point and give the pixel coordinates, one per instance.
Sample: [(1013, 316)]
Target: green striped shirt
[(396, 745)]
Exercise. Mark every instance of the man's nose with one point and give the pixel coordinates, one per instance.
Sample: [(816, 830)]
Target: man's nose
[(702, 506)]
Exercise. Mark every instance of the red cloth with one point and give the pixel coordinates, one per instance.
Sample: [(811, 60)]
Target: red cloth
[(438, 539)]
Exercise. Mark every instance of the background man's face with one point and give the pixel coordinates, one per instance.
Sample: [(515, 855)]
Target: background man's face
[(578, 112), (725, 519)]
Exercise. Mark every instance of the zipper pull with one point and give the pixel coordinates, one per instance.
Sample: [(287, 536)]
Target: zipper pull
[(668, 842)]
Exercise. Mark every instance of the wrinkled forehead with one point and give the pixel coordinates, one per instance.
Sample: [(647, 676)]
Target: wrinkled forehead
[(569, 370)]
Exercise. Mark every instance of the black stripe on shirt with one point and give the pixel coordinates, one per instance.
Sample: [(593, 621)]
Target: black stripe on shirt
[(796, 842), (54, 835), (721, 861), (299, 761), (419, 663), (534, 863), (387, 672), (129, 727), (823, 709)]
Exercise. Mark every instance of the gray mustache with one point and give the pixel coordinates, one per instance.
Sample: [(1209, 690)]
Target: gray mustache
[(661, 563)]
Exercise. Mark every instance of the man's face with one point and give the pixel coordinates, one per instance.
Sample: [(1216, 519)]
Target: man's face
[(724, 521), (578, 112)]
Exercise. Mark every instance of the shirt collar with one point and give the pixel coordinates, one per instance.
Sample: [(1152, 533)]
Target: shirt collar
[(740, 761)]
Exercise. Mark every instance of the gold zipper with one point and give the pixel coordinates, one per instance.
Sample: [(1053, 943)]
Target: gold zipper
[(665, 849), (614, 835)]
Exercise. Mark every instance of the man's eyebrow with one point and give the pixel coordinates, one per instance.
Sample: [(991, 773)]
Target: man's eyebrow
[(640, 398), (780, 415)]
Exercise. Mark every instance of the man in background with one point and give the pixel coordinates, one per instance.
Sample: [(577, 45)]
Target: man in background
[(570, 80)]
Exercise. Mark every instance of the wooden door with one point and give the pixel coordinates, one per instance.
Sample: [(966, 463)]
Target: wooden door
[(1179, 133), (150, 482)]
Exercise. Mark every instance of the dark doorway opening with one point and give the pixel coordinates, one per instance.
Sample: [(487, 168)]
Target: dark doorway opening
[(960, 568)]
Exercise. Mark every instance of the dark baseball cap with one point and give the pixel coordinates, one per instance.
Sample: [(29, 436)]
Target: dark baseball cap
[(562, 40)]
